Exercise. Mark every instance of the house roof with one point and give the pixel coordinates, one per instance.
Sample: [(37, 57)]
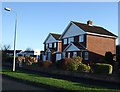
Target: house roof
[(93, 29), (56, 36), (77, 46), (12, 51)]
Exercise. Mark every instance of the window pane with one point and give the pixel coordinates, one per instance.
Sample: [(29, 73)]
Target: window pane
[(54, 45), (81, 38), (86, 55), (65, 41), (74, 54), (71, 40), (50, 45), (46, 46), (68, 54)]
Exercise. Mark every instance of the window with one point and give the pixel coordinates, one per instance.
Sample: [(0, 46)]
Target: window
[(86, 55), (74, 54), (81, 38), (50, 45), (54, 45), (63, 55), (68, 54), (65, 41), (46, 46), (71, 40)]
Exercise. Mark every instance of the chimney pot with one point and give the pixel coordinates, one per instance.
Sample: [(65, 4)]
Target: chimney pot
[(89, 22)]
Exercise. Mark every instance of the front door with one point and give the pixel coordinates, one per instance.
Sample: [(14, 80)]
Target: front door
[(49, 56)]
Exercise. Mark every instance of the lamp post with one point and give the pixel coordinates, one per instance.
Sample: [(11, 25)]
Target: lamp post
[(8, 9)]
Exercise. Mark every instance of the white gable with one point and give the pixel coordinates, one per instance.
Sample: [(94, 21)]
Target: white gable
[(50, 39), (71, 47), (73, 30)]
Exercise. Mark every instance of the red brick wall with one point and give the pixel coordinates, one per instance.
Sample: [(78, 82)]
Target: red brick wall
[(59, 46), (100, 45)]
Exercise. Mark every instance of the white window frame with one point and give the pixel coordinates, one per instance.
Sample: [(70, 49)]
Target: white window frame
[(46, 45), (81, 38), (86, 56), (74, 54), (68, 54), (55, 45), (65, 41), (71, 39), (50, 45)]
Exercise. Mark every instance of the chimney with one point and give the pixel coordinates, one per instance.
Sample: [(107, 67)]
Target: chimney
[(89, 22)]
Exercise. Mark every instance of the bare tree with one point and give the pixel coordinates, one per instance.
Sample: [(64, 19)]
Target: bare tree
[(29, 49)]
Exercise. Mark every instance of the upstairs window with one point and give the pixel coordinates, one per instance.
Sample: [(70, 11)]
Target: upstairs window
[(65, 41), (71, 39), (81, 38), (50, 45), (55, 45), (46, 46)]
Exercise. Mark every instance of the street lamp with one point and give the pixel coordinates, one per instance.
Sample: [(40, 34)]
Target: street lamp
[(8, 9)]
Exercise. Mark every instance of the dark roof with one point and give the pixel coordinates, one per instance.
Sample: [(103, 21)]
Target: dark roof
[(12, 51), (80, 46), (93, 29), (56, 36), (52, 50), (29, 51)]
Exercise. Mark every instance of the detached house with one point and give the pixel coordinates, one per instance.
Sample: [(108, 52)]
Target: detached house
[(52, 47), (85, 40)]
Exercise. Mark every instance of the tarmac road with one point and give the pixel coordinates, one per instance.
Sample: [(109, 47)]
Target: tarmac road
[(9, 84)]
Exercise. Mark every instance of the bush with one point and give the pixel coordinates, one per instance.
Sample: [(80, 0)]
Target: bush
[(29, 60), (101, 68), (46, 64), (67, 64), (84, 68), (72, 65), (77, 59), (64, 63)]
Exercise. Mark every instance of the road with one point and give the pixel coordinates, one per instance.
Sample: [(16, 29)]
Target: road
[(10, 84)]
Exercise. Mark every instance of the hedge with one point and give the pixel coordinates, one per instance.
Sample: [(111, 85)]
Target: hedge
[(101, 68)]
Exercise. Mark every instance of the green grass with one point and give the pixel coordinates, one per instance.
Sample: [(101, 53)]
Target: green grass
[(58, 83)]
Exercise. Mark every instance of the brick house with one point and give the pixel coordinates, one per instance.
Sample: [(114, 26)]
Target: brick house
[(52, 47), (85, 40)]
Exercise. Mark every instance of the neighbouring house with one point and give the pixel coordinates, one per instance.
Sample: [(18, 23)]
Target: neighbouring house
[(85, 40), (52, 47), (34, 53), (11, 52)]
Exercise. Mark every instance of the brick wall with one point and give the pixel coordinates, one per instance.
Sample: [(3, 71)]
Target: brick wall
[(100, 45)]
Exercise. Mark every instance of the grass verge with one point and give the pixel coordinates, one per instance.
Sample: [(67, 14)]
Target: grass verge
[(57, 83)]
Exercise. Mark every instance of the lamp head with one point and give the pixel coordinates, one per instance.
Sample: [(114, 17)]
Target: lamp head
[(7, 9)]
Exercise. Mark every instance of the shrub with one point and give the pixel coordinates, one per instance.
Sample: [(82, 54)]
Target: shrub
[(46, 63), (101, 68), (29, 60), (64, 63), (72, 65), (84, 68), (78, 59), (67, 64)]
